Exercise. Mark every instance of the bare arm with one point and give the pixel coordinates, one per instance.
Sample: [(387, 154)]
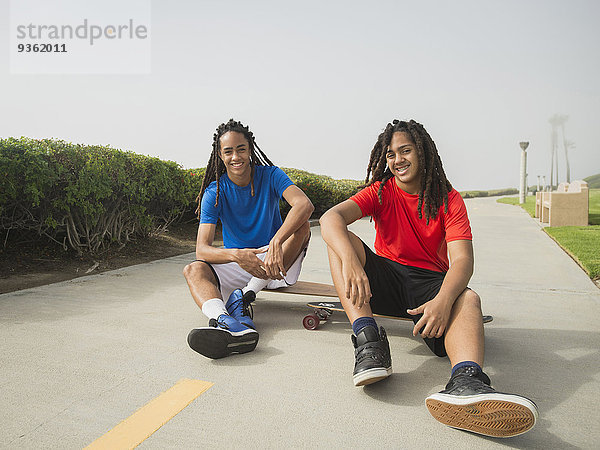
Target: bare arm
[(245, 257), (461, 269), (299, 214), (334, 229), (436, 312)]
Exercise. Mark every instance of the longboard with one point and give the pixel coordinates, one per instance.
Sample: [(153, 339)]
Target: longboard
[(324, 310)]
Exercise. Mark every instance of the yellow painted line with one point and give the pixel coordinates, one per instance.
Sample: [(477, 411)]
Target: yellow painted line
[(141, 424)]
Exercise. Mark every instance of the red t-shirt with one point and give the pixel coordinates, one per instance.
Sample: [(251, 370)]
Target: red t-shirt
[(402, 237)]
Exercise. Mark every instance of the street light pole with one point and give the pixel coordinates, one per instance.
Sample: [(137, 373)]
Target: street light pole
[(523, 184)]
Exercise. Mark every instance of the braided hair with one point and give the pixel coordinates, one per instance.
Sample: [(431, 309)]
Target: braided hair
[(215, 167), (434, 184)]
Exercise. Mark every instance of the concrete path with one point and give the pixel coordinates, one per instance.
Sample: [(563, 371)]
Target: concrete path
[(78, 357)]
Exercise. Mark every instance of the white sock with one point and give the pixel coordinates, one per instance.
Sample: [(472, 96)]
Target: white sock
[(213, 308), (256, 284)]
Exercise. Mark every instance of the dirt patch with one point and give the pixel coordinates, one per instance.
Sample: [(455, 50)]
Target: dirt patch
[(26, 265)]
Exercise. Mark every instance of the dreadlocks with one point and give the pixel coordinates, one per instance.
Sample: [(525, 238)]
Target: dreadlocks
[(216, 168), (434, 184)]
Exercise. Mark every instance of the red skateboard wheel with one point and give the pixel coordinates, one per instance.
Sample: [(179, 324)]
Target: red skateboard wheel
[(311, 322)]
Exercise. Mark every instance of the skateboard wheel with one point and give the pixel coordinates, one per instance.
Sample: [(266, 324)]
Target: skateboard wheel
[(311, 322)]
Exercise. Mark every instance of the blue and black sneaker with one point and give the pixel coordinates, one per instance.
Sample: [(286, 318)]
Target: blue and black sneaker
[(223, 336), (239, 307)]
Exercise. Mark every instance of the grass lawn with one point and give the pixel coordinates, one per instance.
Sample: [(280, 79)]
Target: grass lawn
[(528, 206), (582, 243), (594, 207)]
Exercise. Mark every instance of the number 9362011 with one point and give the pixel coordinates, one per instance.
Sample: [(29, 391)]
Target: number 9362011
[(42, 48)]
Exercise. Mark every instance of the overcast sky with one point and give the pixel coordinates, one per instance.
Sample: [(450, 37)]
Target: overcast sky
[(317, 81)]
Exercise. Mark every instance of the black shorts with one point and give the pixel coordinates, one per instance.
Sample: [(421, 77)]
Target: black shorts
[(396, 288)]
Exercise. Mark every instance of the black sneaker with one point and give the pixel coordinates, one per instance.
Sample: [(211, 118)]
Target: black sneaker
[(470, 403), (372, 356), (222, 337)]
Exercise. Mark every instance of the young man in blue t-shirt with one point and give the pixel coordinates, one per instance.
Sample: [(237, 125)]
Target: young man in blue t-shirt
[(242, 189)]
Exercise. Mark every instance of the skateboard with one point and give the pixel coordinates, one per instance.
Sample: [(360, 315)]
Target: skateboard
[(323, 310)]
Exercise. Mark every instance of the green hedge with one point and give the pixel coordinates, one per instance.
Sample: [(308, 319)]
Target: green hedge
[(492, 193), (87, 197), (323, 191)]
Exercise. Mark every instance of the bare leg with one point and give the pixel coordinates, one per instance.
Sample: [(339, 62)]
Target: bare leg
[(295, 244), (372, 361), (463, 403), (225, 334), (201, 281), (335, 264), (464, 336)]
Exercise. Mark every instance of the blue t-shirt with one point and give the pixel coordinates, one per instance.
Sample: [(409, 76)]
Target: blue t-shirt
[(248, 222)]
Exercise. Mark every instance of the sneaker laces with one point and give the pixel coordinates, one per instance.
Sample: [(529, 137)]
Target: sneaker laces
[(247, 309), (377, 355), (470, 380), (247, 300)]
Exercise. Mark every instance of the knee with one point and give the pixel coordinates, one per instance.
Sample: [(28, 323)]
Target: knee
[(194, 270), (187, 271), (471, 299)]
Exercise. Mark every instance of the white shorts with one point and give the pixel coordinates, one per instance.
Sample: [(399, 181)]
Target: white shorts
[(230, 276)]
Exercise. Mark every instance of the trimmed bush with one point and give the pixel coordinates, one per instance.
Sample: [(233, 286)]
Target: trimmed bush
[(492, 193), (87, 197), (323, 191)]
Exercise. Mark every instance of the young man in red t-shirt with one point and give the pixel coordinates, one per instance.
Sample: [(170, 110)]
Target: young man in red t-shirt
[(420, 221)]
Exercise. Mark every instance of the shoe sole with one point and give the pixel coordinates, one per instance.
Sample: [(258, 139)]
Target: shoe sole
[(495, 415), (217, 343), (371, 376)]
